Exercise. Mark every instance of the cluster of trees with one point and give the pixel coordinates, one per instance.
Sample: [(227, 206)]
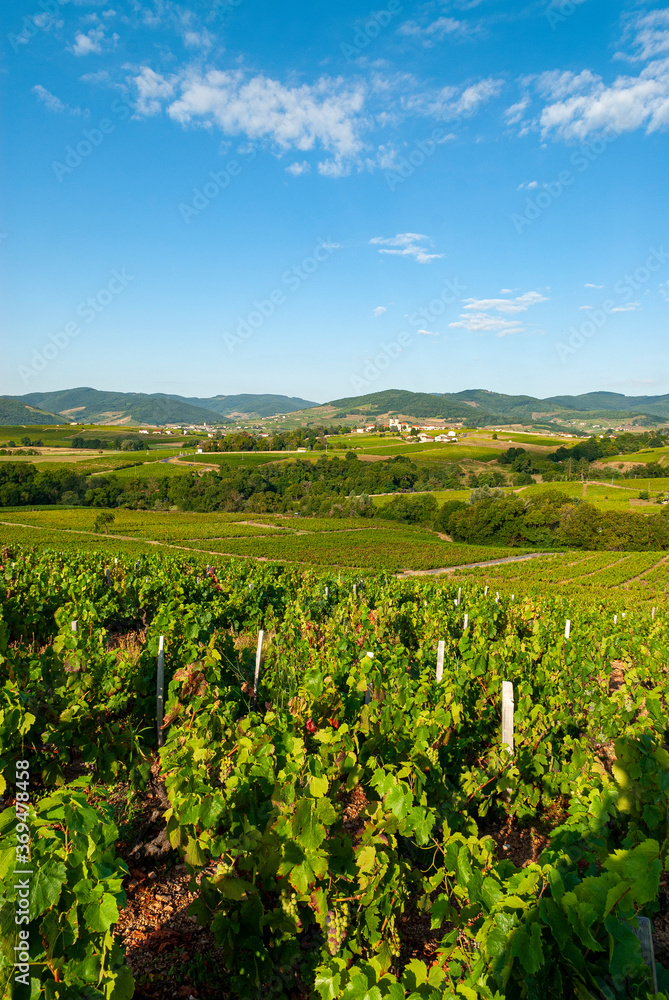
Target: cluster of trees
[(117, 443), (548, 520), (553, 519), (313, 438), (21, 483), (338, 486)]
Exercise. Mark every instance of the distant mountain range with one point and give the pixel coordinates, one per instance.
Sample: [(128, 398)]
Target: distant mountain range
[(476, 407), (93, 406)]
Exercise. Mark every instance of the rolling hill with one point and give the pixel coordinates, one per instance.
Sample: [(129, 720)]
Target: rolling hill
[(94, 406), (14, 412), (475, 407)]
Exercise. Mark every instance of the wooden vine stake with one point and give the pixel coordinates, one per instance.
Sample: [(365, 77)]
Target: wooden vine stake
[(645, 936), (459, 595), (327, 593), (261, 633), (108, 575), (466, 623), (75, 625), (441, 645), (567, 628), (652, 614), (160, 685)]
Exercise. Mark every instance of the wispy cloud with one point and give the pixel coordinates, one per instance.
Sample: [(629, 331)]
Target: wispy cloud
[(483, 322), (478, 315), (378, 311), (628, 307), (649, 35), (52, 102), (406, 245), (432, 32), (521, 303), (589, 284)]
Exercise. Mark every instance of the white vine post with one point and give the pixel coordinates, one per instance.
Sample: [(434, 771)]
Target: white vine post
[(327, 593), (368, 692), (261, 633), (567, 628), (75, 625), (507, 714), (355, 590), (615, 619), (652, 614), (160, 685), (459, 595), (485, 592), (441, 645), (466, 623)]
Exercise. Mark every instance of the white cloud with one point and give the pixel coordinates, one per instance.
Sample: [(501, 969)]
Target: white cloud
[(651, 35), (453, 102), (198, 39), (589, 284), (520, 304), (298, 168), (324, 113), (84, 44), (515, 112), (483, 322), (152, 90), (427, 333), (378, 311), (406, 245), (478, 318), (582, 104), (52, 102), (506, 291), (629, 307), (435, 31), (586, 307), (527, 186)]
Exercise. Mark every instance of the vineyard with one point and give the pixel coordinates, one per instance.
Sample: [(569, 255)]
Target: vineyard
[(317, 541), (335, 800)]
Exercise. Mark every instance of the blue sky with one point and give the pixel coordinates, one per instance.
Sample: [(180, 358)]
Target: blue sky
[(326, 200)]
